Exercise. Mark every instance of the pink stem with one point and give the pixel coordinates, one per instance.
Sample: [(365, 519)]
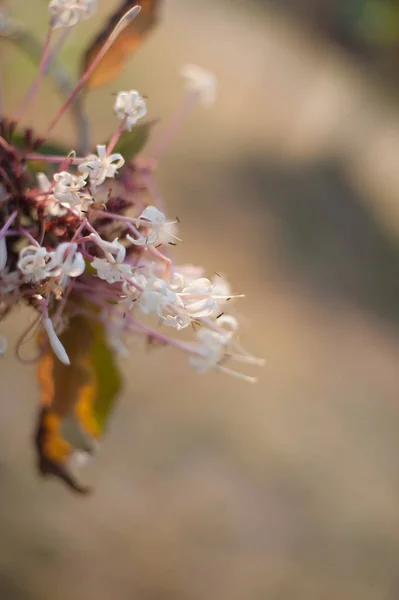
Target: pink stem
[(52, 159), (171, 130), (8, 224), (79, 230), (155, 252), (115, 138), (63, 301), (33, 90), (124, 21), (56, 49), (26, 233), (103, 213)]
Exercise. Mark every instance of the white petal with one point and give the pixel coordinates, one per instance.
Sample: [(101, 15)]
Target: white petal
[(55, 343), (3, 253)]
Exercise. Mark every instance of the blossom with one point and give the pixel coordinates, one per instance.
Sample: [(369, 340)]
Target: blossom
[(198, 299), (34, 263), (130, 106), (68, 12), (154, 219), (68, 188), (100, 166), (66, 262), (211, 345), (53, 207), (221, 289), (215, 346), (202, 298), (111, 268), (132, 289), (210, 349), (202, 82), (157, 298)]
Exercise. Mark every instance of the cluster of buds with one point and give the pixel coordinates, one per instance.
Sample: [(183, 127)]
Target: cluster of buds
[(89, 236)]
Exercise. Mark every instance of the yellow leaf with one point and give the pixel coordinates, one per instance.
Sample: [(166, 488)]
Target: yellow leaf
[(75, 400), (126, 44)]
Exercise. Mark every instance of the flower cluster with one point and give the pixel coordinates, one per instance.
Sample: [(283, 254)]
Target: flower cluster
[(90, 235)]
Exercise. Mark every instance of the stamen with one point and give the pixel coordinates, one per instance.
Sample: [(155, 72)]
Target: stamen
[(237, 374)]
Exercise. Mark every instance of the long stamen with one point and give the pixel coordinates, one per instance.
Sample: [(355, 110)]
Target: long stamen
[(237, 374), (122, 24)]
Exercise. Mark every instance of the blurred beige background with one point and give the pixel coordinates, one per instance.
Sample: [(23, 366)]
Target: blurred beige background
[(208, 488)]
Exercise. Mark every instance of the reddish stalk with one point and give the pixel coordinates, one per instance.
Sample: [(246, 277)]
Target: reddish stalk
[(33, 90), (122, 24)]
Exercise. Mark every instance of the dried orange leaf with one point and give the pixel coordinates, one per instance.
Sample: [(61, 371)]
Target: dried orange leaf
[(75, 400), (126, 44)]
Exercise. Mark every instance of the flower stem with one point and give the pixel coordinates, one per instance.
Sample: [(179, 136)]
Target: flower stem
[(190, 100), (121, 25), (8, 224), (115, 138), (33, 90), (51, 159)]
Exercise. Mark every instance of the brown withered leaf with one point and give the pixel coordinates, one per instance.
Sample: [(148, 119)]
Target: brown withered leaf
[(75, 400), (128, 41)]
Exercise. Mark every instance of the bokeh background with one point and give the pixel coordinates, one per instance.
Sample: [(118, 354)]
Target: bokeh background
[(208, 488)]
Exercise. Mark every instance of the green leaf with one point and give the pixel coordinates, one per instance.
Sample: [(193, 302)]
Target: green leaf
[(76, 400), (48, 148), (131, 143)]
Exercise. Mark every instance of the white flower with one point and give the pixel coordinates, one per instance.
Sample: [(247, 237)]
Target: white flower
[(154, 219), (214, 346), (158, 299), (210, 349), (66, 262), (221, 289), (53, 207), (110, 272), (202, 82), (68, 188), (110, 248), (33, 263), (68, 12), (202, 298), (111, 268), (198, 299), (130, 106), (132, 290), (101, 166)]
